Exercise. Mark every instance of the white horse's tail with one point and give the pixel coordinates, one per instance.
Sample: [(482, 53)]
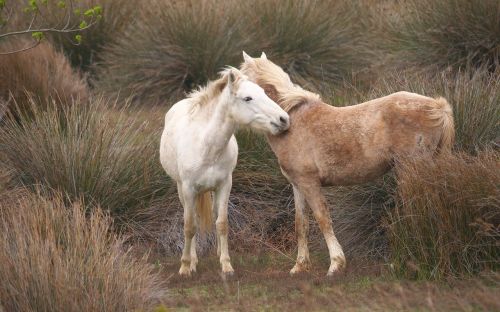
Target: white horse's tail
[(443, 113), (204, 210)]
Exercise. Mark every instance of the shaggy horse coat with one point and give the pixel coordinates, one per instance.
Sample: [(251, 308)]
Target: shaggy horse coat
[(327, 145)]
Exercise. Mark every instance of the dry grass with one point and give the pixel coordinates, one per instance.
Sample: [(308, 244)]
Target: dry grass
[(177, 45), (448, 34), (90, 151), (55, 258), (117, 15), (447, 216), (41, 73)]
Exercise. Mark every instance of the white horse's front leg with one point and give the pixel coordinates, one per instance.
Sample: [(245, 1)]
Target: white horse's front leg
[(188, 202), (221, 201), (302, 230)]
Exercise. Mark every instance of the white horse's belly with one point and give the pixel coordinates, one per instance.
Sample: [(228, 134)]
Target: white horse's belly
[(203, 175)]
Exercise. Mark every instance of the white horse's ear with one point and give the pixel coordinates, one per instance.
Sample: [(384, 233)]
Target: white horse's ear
[(231, 77), (263, 56), (247, 58)]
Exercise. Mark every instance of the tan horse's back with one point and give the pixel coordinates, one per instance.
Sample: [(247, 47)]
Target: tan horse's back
[(354, 144)]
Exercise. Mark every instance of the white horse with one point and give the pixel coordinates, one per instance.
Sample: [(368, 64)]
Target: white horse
[(199, 151)]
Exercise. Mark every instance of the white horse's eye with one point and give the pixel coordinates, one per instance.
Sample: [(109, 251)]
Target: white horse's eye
[(247, 99)]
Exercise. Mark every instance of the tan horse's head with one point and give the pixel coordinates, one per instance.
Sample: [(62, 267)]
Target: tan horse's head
[(275, 82)]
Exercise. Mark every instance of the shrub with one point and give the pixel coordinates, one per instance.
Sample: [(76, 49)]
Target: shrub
[(475, 97), (316, 42), (54, 258), (41, 73), (176, 46), (449, 33), (117, 15), (86, 151), (447, 216)]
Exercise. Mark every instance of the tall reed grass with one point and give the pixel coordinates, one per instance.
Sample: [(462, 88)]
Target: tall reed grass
[(447, 216), (57, 257), (89, 151), (41, 73), (448, 34)]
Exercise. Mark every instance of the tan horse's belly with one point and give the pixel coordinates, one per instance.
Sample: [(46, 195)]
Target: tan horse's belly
[(360, 171)]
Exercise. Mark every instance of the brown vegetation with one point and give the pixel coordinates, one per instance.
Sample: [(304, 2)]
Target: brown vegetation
[(54, 257), (447, 216), (41, 73)]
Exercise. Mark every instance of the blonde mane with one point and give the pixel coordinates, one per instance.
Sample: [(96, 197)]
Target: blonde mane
[(289, 95), (213, 89)]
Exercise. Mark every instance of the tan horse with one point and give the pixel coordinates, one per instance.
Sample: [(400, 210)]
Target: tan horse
[(327, 145)]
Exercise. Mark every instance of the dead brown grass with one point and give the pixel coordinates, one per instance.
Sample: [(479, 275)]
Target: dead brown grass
[(55, 258), (41, 72), (447, 216)]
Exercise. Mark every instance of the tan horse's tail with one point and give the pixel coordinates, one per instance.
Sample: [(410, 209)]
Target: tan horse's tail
[(204, 210), (443, 113)]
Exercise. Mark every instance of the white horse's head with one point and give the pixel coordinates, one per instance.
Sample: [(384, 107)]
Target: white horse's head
[(250, 106)]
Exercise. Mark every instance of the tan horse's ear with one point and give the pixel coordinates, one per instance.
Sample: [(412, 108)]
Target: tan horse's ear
[(247, 58), (263, 56)]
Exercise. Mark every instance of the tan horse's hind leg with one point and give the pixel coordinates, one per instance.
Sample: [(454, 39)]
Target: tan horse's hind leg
[(315, 199), (302, 230), (194, 257), (221, 202), (188, 201)]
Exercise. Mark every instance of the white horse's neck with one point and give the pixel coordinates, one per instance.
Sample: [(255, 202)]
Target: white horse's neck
[(220, 128)]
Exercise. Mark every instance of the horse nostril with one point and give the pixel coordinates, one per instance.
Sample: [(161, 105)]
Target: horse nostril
[(284, 120)]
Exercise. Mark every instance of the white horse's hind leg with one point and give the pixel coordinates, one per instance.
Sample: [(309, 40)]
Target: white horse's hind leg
[(189, 230), (221, 201), (302, 230)]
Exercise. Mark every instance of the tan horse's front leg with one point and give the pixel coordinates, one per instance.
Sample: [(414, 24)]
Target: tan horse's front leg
[(188, 201), (303, 263), (315, 199), (221, 202)]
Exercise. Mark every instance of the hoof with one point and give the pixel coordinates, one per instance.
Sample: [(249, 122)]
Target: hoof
[(300, 268), (185, 271)]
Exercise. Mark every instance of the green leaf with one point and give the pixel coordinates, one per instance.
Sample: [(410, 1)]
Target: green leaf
[(89, 13), (2, 4), (61, 4), (77, 12), (97, 10), (78, 38), (38, 35), (83, 24)]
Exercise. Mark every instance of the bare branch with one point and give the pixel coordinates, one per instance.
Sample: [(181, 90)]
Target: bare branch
[(48, 30), (23, 49)]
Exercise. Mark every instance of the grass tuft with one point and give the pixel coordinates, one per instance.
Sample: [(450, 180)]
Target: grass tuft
[(447, 216), (41, 73), (55, 258), (89, 151), (449, 33)]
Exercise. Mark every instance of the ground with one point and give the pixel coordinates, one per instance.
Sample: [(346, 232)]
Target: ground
[(262, 283)]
